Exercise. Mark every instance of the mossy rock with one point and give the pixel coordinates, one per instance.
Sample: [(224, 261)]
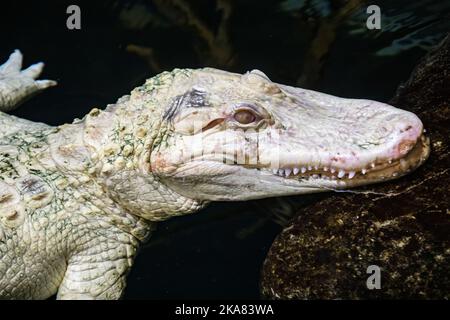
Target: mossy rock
[(402, 226)]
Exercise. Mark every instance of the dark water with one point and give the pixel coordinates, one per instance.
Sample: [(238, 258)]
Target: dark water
[(218, 252)]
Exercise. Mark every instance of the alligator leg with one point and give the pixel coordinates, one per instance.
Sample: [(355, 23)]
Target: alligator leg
[(99, 270), (16, 86)]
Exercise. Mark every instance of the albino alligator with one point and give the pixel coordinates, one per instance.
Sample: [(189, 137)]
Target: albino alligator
[(77, 200)]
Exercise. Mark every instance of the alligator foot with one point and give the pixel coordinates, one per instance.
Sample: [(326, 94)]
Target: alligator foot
[(18, 85)]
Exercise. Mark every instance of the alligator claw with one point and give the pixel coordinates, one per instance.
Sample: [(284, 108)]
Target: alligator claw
[(18, 85)]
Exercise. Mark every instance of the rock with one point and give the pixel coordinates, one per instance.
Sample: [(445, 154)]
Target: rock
[(402, 226)]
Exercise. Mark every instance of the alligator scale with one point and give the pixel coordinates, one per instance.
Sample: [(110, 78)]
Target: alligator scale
[(77, 200)]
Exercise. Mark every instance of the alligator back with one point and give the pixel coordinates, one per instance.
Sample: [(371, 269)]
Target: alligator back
[(10, 124)]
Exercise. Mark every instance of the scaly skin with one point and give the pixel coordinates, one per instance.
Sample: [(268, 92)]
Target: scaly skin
[(77, 200)]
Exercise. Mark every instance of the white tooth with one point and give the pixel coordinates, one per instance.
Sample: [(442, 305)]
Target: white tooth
[(363, 171), (325, 168), (351, 174), (332, 170), (303, 169), (390, 161), (275, 171), (287, 172), (281, 172), (372, 165), (296, 171), (309, 168), (341, 173), (403, 163)]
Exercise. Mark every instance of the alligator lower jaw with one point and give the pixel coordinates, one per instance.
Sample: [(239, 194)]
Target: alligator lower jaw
[(375, 172)]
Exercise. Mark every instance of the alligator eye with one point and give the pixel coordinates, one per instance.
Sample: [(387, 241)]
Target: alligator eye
[(244, 116)]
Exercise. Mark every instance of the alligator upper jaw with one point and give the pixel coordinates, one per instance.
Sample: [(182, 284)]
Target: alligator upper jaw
[(376, 172)]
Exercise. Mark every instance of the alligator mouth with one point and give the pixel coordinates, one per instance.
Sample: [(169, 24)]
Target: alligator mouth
[(376, 171)]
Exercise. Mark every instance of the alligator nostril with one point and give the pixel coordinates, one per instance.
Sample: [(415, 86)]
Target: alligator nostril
[(406, 129)]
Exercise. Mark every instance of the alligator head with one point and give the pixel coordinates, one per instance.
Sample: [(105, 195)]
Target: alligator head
[(228, 136)]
